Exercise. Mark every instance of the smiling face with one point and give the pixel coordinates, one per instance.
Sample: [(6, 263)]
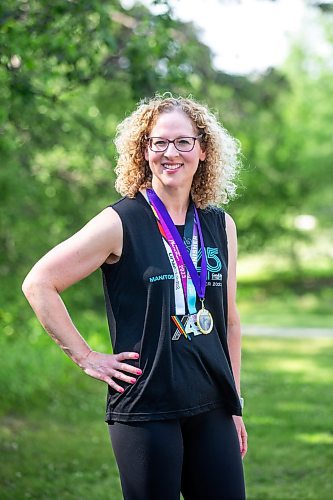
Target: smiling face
[(172, 168)]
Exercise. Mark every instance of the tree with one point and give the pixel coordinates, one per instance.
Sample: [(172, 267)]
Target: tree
[(70, 71)]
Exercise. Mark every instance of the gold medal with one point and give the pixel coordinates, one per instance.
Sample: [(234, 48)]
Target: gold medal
[(204, 320)]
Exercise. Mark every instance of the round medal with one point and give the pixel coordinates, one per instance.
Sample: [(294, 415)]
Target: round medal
[(204, 321)]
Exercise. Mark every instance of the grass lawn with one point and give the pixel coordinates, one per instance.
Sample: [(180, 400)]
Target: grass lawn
[(54, 443), (287, 300), (287, 384)]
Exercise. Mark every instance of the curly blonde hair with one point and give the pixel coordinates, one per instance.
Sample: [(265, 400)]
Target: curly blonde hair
[(213, 182)]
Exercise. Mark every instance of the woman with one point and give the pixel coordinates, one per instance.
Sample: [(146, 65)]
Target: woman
[(174, 405)]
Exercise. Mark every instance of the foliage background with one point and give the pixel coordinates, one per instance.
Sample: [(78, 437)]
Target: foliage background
[(69, 72)]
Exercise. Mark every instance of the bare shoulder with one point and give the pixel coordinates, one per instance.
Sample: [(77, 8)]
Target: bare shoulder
[(107, 217), (230, 226), (103, 233), (100, 240), (109, 229), (105, 223)]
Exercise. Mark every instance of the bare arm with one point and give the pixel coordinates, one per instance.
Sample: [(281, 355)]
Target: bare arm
[(234, 326), (66, 264)]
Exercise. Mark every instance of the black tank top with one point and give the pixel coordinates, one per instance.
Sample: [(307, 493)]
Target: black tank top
[(180, 377)]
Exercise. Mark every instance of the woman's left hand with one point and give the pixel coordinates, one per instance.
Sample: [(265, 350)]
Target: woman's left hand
[(242, 434)]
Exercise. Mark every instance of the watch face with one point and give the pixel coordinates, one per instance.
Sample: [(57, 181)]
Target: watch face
[(204, 321)]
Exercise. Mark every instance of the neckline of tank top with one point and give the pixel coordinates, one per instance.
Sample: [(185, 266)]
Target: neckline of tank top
[(178, 226)]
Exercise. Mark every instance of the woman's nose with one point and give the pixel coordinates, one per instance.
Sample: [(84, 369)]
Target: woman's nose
[(171, 150)]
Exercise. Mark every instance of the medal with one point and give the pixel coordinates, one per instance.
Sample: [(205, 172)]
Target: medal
[(204, 320), (182, 259)]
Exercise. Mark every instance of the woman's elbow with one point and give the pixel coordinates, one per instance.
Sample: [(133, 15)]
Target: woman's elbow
[(29, 285), (33, 285)]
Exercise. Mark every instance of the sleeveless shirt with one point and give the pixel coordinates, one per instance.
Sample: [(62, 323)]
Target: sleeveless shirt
[(181, 377)]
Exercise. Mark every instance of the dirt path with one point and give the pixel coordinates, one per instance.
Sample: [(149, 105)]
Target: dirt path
[(284, 331)]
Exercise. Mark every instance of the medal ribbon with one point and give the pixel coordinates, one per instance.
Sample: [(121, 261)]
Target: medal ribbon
[(178, 247), (193, 238), (179, 296)]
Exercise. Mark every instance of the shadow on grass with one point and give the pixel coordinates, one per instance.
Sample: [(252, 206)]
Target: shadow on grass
[(54, 443), (288, 383)]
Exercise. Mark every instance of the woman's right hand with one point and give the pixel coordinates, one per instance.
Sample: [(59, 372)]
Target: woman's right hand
[(107, 367)]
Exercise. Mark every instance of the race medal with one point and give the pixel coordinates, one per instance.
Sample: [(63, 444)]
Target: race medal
[(204, 320)]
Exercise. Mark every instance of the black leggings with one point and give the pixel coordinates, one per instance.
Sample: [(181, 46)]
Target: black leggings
[(199, 456)]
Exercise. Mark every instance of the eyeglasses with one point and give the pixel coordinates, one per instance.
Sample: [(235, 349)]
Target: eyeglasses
[(182, 144)]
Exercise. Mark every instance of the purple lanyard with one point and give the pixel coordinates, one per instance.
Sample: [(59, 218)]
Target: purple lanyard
[(178, 247)]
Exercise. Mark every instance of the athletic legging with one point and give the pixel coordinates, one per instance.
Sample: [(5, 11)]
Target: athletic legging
[(199, 456)]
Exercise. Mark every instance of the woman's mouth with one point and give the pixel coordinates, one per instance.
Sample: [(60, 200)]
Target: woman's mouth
[(172, 166)]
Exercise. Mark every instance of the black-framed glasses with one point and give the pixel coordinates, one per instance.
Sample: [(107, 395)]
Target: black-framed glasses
[(182, 144)]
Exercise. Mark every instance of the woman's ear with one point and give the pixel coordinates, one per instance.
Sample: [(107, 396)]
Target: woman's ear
[(202, 155), (146, 154), (202, 144)]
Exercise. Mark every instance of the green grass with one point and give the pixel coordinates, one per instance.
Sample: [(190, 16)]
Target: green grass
[(47, 456), (287, 384), (287, 299), (310, 309), (54, 444)]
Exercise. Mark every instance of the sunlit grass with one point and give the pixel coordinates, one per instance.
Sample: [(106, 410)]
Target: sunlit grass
[(273, 292), (316, 438), (275, 305), (287, 385), (54, 443)]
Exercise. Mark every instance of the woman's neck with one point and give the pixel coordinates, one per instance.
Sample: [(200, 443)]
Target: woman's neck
[(176, 201)]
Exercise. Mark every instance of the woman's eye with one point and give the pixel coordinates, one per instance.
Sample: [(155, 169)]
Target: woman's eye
[(160, 143), (183, 141)]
